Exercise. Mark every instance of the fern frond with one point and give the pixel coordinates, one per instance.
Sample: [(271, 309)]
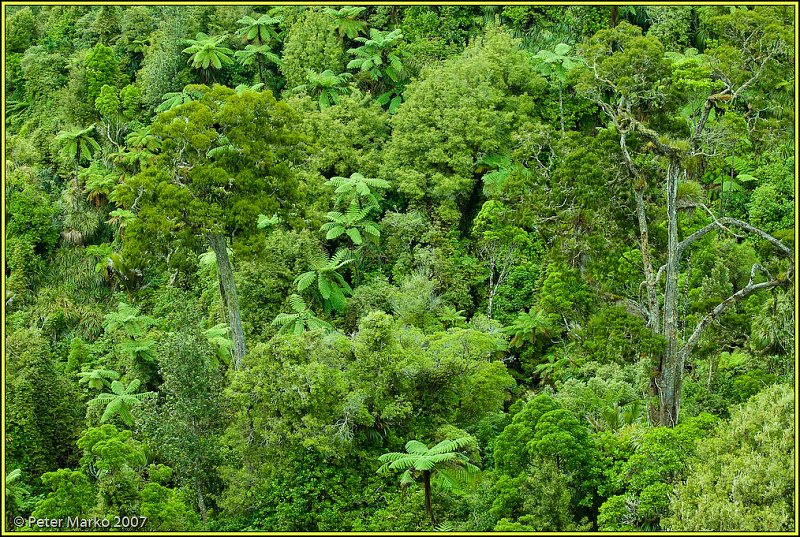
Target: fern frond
[(297, 303), (454, 445), (334, 232), (299, 327), (416, 447), (355, 236), (133, 386), (283, 319), (126, 416), (406, 479), (117, 387), (112, 408), (304, 280)]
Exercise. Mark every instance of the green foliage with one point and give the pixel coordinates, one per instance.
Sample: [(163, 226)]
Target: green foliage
[(469, 105), (98, 378), (102, 68), (311, 43), (128, 319), (437, 216), (645, 480), (168, 509), (162, 63), (258, 55), (70, 494), (358, 188), (510, 449), (740, 476), (42, 407), (351, 223), (21, 30), (31, 228), (530, 327), (222, 193), (377, 51), (613, 335), (177, 98), (77, 144), (539, 500), (108, 102), (184, 429)]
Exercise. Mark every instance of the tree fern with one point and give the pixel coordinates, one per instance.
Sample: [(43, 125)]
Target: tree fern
[(301, 320), (346, 20), (443, 466), (218, 336), (357, 187), (331, 287), (127, 317), (121, 400), (98, 378)]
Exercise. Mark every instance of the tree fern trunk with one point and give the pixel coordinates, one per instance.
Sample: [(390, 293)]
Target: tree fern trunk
[(426, 477)]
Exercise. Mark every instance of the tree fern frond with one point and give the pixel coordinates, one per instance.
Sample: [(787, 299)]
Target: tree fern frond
[(372, 229), (142, 396), (125, 415), (404, 463), (304, 280), (103, 398), (355, 236), (334, 232), (117, 387), (325, 288), (454, 445), (390, 457), (416, 447), (112, 408), (297, 303), (133, 386), (282, 319)]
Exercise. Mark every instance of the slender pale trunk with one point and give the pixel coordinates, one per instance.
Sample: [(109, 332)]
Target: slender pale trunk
[(669, 379), (492, 290), (229, 296), (653, 315), (685, 312), (201, 503)]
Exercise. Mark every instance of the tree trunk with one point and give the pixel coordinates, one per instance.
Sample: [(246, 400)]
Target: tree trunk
[(201, 503), (653, 316), (77, 196), (426, 478), (229, 297), (669, 378), (561, 106), (491, 290)]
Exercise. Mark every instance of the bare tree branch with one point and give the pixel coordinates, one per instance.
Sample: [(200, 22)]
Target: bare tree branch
[(749, 289), (721, 222)]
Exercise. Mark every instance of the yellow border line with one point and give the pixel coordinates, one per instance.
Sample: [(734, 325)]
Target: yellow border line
[(793, 4)]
